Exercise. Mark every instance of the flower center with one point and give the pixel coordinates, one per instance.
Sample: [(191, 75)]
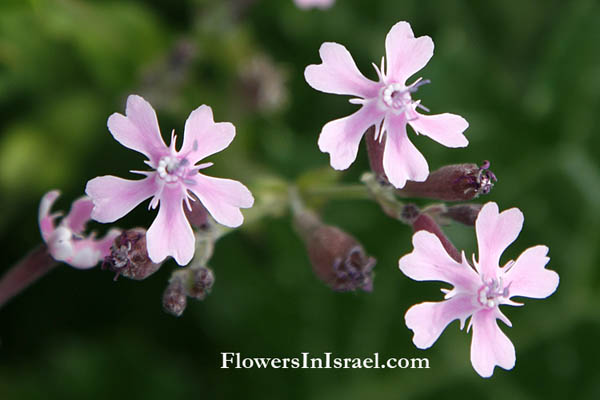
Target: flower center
[(171, 168), (398, 97), (492, 293)]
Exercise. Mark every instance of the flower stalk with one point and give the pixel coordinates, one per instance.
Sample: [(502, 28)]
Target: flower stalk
[(32, 267)]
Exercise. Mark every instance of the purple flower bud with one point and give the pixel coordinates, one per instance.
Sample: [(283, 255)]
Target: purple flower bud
[(175, 298), (425, 223), (464, 213), (458, 182), (129, 256), (202, 280), (337, 258)]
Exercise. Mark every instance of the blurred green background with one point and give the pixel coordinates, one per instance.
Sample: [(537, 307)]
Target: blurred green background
[(526, 74)]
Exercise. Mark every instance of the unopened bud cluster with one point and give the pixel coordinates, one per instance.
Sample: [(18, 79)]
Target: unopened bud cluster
[(195, 282)]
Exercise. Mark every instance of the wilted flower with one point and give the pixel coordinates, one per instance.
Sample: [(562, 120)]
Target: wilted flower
[(129, 256), (337, 258), (314, 3), (66, 242), (387, 105), (477, 292), (175, 174)]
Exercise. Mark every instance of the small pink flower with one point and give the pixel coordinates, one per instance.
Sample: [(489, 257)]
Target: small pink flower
[(175, 174), (477, 292), (323, 4), (387, 104), (65, 241)]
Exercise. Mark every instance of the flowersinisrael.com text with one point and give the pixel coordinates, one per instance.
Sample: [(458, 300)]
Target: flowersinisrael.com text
[(326, 361)]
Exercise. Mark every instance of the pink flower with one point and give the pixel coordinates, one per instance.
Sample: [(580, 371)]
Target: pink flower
[(175, 174), (65, 241), (323, 4), (387, 104), (477, 292)]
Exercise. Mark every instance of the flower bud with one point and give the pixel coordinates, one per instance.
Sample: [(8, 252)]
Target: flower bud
[(129, 256), (464, 213), (458, 182), (202, 279), (175, 298), (426, 223), (336, 257)]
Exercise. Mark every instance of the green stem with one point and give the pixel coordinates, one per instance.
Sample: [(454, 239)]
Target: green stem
[(337, 191)]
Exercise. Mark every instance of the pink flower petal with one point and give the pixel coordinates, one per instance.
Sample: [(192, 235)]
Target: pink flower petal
[(338, 74), (490, 346), (45, 220), (401, 159), (428, 320), (495, 232), (527, 277), (138, 130), (429, 261), (79, 215), (341, 137), (114, 197), (223, 198), (405, 53), (171, 234), (87, 253), (446, 129), (203, 137)]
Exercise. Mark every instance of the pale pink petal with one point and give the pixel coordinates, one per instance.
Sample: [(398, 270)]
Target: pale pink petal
[(114, 197), (223, 198), (446, 129), (401, 159), (429, 261), (45, 220), (87, 253), (495, 232), (405, 53), (138, 130), (60, 244), (104, 244), (171, 234), (323, 4), (79, 215), (341, 137), (527, 277), (490, 346), (85, 256), (203, 137), (428, 320), (338, 74)]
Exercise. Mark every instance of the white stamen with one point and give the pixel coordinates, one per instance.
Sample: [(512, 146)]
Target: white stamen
[(171, 169)]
